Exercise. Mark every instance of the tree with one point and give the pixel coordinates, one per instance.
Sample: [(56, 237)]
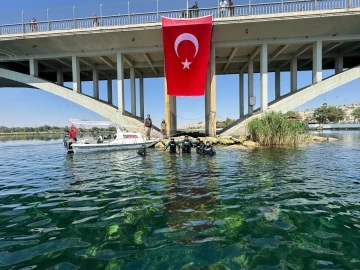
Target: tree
[(356, 113), (328, 113)]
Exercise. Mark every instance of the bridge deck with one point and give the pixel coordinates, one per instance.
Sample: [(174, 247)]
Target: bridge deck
[(236, 38)]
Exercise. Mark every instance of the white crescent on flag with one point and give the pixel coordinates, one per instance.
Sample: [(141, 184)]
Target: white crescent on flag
[(189, 37)]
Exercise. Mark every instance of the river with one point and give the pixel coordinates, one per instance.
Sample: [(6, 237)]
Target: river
[(281, 208)]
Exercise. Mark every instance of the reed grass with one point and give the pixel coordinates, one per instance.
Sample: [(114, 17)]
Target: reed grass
[(273, 128)]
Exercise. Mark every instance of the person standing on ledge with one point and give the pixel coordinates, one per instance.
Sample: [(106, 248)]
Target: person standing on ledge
[(163, 129), (172, 144), (148, 126), (186, 144)]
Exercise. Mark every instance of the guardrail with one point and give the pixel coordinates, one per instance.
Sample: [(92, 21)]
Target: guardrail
[(153, 17)]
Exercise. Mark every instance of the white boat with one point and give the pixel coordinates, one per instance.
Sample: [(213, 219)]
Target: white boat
[(113, 137)]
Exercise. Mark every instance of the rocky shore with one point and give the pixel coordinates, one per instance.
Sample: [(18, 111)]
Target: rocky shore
[(238, 141)]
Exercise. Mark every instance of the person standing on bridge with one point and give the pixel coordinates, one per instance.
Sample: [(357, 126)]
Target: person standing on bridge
[(95, 20), (223, 7), (148, 126), (231, 8)]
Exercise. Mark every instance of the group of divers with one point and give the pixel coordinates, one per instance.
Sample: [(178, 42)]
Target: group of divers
[(185, 146)]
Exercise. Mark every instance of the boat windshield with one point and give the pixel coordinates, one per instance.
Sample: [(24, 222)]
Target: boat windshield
[(93, 129)]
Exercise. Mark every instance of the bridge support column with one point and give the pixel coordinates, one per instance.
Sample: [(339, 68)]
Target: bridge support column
[(133, 91), (277, 84), (317, 62), (293, 75), (60, 78), (120, 82), (109, 91), (250, 85), (34, 67), (264, 77), (167, 100), (76, 74), (141, 84), (96, 83), (339, 64), (241, 94), (210, 97), (173, 119)]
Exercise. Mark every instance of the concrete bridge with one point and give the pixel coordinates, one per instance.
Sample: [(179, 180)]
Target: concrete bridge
[(273, 37)]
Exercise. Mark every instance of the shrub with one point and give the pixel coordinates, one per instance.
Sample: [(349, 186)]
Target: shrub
[(274, 128)]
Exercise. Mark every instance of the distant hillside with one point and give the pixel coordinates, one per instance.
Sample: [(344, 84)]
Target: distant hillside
[(201, 125)]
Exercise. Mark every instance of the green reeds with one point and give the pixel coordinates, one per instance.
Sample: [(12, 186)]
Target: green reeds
[(273, 128)]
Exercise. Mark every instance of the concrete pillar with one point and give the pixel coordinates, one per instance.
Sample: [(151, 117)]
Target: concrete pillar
[(250, 85), (60, 78), (241, 94), (109, 91), (120, 82), (210, 97), (339, 64), (293, 75), (317, 62), (167, 108), (277, 83), (76, 74), (173, 122), (96, 83), (34, 67), (133, 91), (264, 77), (141, 84)]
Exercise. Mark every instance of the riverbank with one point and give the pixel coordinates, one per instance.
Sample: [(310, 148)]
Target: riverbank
[(239, 141), (29, 133)]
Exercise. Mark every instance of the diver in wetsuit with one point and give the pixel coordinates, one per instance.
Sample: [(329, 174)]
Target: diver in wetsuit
[(142, 151), (173, 145), (186, 145), (209, 149), (199, 146)]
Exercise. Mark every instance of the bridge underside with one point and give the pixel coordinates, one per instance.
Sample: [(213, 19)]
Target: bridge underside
[(228, 61)]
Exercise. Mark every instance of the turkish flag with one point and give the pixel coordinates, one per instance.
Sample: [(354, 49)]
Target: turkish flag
[(186, 52), (73, 131)]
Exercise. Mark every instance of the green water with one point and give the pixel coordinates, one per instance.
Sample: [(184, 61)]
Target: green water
[(259, 209)]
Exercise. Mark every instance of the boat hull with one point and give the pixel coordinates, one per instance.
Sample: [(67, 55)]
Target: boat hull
[(77, 148)]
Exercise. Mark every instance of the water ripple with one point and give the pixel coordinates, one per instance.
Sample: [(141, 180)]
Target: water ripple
[(260, 209)]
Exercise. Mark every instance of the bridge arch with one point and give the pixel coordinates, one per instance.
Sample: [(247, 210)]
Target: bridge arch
[(295, 99), (16, 79)]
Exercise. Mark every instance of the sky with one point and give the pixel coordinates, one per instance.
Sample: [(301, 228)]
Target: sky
[(31, 107)]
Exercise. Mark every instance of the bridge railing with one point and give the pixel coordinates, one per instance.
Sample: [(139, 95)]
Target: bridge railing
[(152, 17)]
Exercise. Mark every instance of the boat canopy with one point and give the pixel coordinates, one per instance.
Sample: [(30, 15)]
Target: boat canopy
[(90, 123)]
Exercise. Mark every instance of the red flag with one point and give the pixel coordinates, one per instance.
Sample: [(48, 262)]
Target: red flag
[(73, 131), (186, 51)]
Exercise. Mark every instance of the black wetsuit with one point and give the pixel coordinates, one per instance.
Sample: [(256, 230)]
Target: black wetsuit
[(172, 146), (199, 147), (186, 147)]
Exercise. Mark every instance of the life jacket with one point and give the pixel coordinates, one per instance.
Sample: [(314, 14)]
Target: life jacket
[(172, 147), (209, 151), (148, 122), (186, 147)]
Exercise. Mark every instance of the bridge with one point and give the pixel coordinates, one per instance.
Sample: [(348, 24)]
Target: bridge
[(261, 38)]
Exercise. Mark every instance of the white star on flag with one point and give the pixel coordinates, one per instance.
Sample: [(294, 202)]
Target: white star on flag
[(186, 64)]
